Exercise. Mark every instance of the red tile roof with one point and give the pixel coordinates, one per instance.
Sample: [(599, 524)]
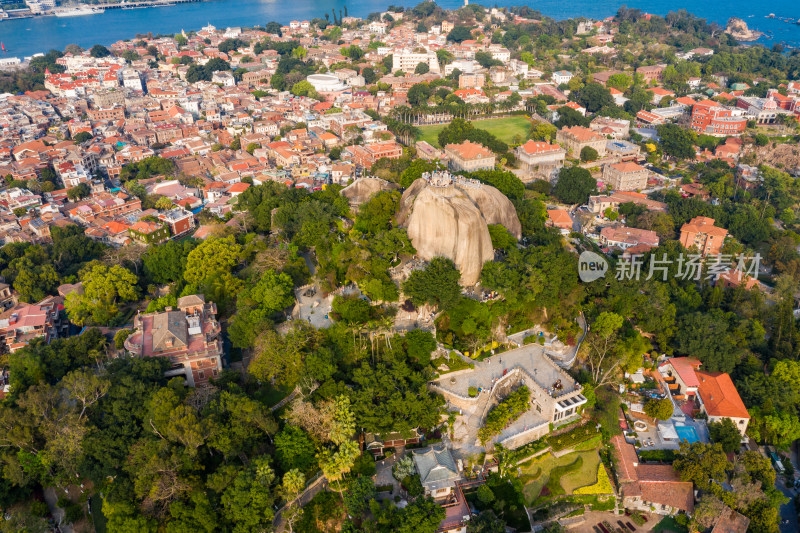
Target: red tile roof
[(704, 225), (560, 218), (627, 166), (626, 459), (469, 150), (720, 396), (675, 494), (539, 147), (657, 484), (685, 368)]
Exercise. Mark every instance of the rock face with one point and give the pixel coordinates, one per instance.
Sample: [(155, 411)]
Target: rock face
[(447, 216), (362, 189), (737, 28)]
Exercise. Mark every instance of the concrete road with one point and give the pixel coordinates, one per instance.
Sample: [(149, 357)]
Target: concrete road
[(787, 511)]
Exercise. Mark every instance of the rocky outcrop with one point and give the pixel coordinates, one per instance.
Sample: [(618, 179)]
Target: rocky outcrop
[(450, 218), (737, 28), (362, 189)]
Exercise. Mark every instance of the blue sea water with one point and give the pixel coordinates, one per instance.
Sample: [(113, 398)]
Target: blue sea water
[(28, 36)]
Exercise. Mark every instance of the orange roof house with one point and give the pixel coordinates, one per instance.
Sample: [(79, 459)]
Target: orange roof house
[(701, 233), (720, 399), (469, 156), (559, 218), (648, 487), (736, 278)]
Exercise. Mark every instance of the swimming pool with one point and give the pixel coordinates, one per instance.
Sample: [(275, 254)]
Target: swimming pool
[(687, 433)]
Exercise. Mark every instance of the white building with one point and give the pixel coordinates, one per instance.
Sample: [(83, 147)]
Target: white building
[(326, 83), (378, 28), (39, 6), (467, 66), (132, 80), (500, 54), (223, 77), (562, 76), (407, 60)]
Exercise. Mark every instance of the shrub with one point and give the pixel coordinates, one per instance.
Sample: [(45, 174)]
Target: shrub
[(473, 391), (572, 437), (413, 486), (506, 411), (364, 465), (589, 154), (403, 468), (601, 486), (485, 495), (666, 456)]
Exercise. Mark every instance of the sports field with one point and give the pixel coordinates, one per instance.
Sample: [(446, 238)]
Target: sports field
[(505, 129)]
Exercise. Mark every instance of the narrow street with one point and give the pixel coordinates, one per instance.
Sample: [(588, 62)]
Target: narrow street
[(789, 521)]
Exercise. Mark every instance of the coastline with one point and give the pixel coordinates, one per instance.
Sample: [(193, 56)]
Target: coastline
[(127, 4), (118, 24)]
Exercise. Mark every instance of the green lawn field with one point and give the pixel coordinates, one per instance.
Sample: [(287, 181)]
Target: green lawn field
[(536, 472), (505, 129)]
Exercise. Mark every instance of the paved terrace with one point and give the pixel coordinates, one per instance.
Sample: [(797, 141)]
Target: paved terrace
[(531, 358), (526, 363)]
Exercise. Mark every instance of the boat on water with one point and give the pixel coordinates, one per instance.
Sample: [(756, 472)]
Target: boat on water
[(79, 12), (771, 16)]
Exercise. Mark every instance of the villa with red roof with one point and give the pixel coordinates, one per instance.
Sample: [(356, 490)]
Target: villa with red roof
[(712, 393), (469, 156), (718, 398), (540, 158), (560, 219), (649, 488), (25, 322), (682, 369), (189, 336)]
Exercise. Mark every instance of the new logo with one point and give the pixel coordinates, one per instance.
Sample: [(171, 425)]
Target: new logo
[(591, 266)]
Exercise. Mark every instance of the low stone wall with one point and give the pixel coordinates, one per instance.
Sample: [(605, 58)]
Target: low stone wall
[(522, 438)]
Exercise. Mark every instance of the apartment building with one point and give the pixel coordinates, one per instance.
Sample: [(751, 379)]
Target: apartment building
[(407, 60)]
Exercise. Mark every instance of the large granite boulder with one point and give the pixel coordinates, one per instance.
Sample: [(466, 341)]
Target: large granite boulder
[(449, 216), (363, 189)]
